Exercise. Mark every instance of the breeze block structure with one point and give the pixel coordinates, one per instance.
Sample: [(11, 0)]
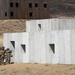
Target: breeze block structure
[(46, 41)]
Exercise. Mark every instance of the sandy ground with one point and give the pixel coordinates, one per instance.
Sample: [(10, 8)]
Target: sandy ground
[(11, 26), (37, 69)]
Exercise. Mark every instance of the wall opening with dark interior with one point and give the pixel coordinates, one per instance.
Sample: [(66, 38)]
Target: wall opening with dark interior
[(17, 4), (30, 14), (36, 4), (11, 4), (11, 13), (30, 5), (23, 47), (5, 14), (39, 26), (45, 5), (52, 47), (13, 43)]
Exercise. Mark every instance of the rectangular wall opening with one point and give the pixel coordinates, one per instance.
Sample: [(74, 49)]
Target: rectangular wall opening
[(11, 13), (36, 4), (5, 14), (13, 43), (45, 5), (30, 14), (30, 5), (23, 47), (17, 4), (52, 47), (11, 4)]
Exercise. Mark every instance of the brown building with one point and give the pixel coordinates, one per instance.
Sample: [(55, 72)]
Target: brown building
[(29, 9), (35, 9), (24, 9)]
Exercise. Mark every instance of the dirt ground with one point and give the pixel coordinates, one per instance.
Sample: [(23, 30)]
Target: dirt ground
[(37, 69), (11, 26)]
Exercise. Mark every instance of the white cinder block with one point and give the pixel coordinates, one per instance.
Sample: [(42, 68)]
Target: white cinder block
[(48, 41)]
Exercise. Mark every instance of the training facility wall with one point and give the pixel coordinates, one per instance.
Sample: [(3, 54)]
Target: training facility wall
[(40, 51), (20, 55), (50, 24)]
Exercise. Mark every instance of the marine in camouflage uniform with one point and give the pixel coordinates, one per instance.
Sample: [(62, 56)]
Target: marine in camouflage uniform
[(5, 56)]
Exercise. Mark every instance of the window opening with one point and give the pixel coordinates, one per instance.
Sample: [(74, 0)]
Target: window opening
[(39, 26), (11, 13), (52, 47), (30, 5), (23, 47), (11, 4), (36, 4), (5, 14), (13, 43), (17, 4), (30, 14), (45, 5)]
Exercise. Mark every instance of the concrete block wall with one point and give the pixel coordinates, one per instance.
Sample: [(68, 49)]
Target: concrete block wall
[(38, 39), (50, 24), (40, 51), (72, 46), (38, 48), (18, 52)]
